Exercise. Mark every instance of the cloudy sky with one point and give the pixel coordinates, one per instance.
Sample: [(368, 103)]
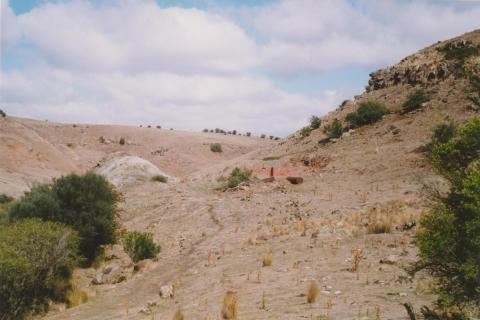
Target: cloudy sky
[(253, 65)]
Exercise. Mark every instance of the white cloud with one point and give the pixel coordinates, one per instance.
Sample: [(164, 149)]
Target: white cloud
[(308, 36), (10, 32), (244, 103), (137, 36)]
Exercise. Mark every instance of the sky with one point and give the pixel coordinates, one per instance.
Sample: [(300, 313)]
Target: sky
[(263, 66)]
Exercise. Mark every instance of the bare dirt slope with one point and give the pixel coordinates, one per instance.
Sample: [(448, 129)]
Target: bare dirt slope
[(214, 241), (35, 151)]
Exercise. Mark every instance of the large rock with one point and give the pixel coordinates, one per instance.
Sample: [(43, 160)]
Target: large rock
[(129, 170)]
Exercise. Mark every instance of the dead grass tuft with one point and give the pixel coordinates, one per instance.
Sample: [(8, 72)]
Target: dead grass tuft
[(383, 219), (267, 260), (312, 292), (76, 297), (357, 256), (229, 309), (178, 315)]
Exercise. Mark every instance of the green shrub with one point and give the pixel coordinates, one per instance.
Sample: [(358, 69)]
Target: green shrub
[(101, 139), (459, 51), (443, 133), (121, 141), (452, 158), (449, 241), (415, 100), (263, 136), (248, 134), (2, 113), (238, 176), (315, 122), (474, 90), (5, 199), (216, 147), (88, 203), (36, 262), (368, 112), (160, 178), (305, 132), (140, 245), (334, 130)]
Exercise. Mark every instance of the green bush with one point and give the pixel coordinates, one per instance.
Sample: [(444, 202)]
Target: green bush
[(449, 241), (5, 199), (459, 51), (36, 263), (474, 90), (2, 113), (443, 133), (88, 203), (216, 147), (305, 132), (368, 112), (238, 176), (160, 178), (121, 141), (315, 122), (452, 158), (263, 136), (334, 130), (140, 245), (415, 100)]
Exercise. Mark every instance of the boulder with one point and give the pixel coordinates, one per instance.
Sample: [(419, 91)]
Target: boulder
[(295, 180)]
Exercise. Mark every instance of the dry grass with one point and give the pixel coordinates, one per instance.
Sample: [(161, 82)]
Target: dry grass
[(383, 219), (302, 227), (178, 315), (312, 292), (357, 256), (76, 297), (267, 260), (229, 309)]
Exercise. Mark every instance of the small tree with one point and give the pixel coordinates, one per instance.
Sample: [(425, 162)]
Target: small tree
[(368, 112), (334, 130), (449, 241), (140, 245), (122, 141), (2, 113), (88, 203), (263, 136), (216, 147), (415, 100), (315, 122)]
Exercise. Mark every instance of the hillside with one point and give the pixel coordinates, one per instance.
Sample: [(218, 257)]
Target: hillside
[(35, 151), (214, 241)]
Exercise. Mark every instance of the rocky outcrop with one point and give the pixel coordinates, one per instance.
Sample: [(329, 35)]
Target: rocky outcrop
[(429, 66)]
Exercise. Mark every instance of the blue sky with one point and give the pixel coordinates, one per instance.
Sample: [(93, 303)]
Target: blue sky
[(254, 65)]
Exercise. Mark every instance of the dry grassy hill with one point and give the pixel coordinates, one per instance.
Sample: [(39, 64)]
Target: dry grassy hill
[(35, 151), (324, 231)]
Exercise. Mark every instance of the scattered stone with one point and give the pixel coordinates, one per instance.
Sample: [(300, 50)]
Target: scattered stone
[(295, 180), (167, 291), (391, 259)]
